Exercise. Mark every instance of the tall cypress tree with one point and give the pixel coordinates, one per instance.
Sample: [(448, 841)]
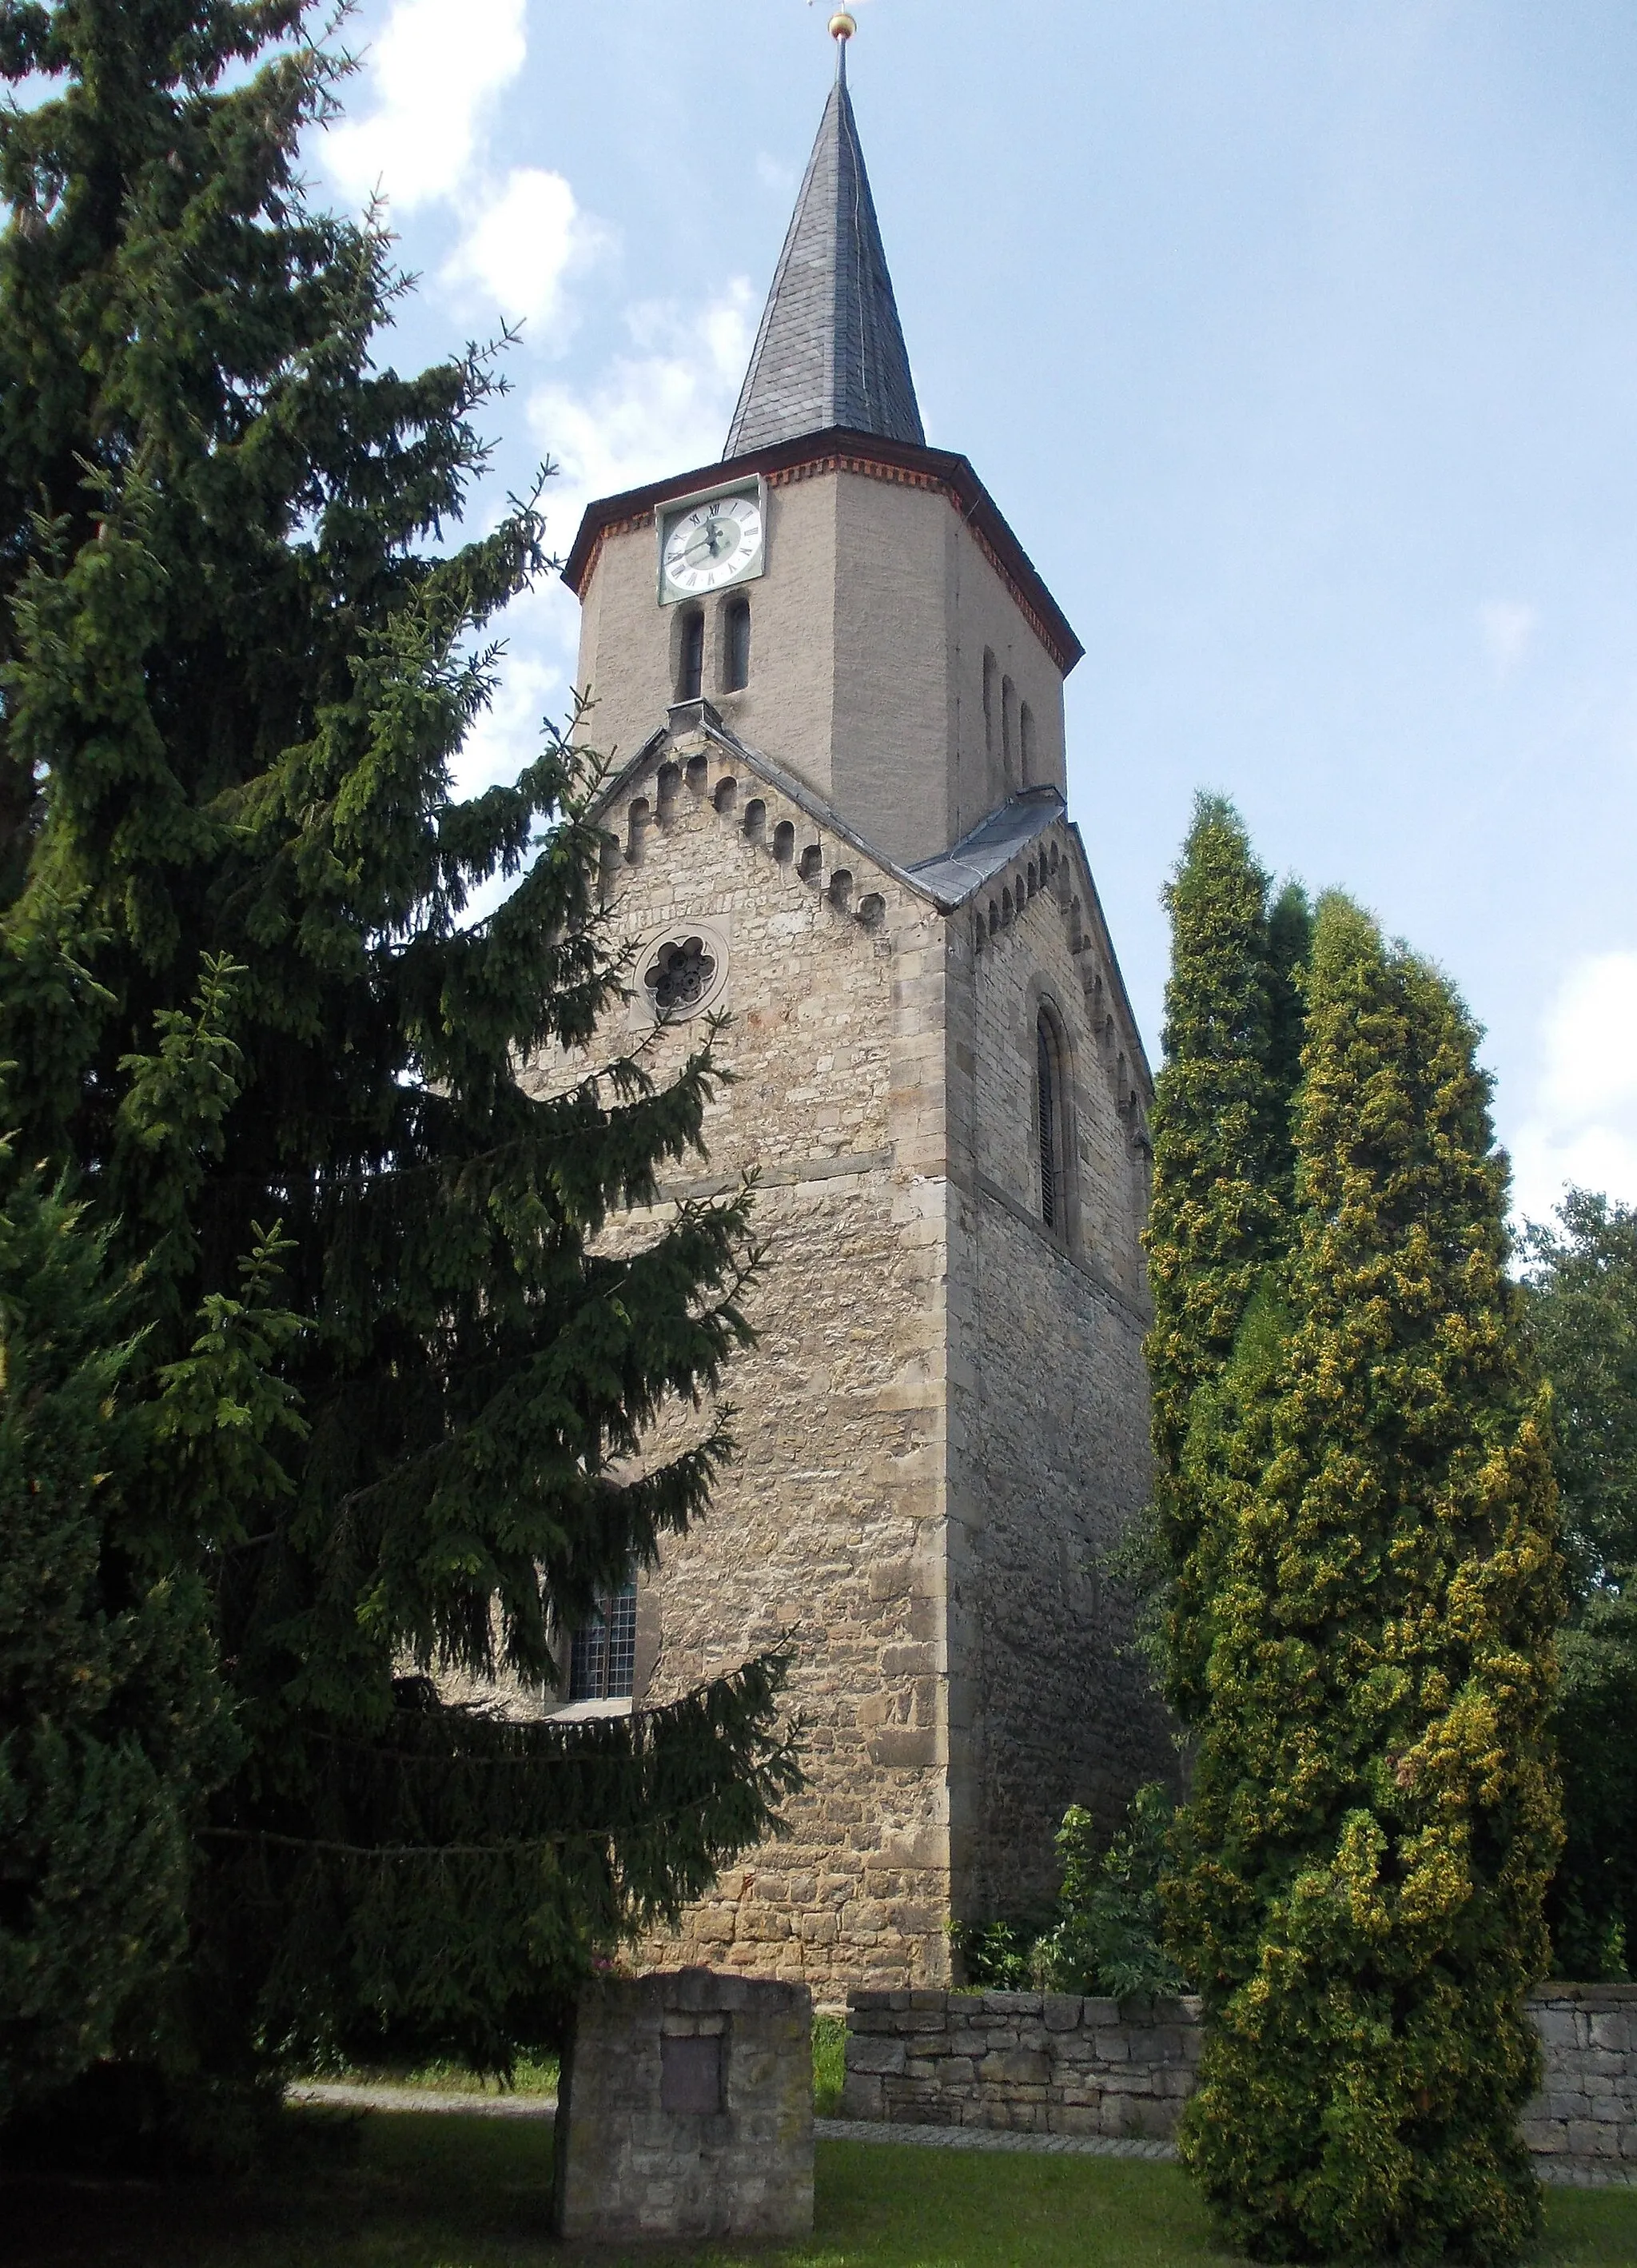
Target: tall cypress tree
[(1221, 1171), (385, 1386), (1375, 1816)]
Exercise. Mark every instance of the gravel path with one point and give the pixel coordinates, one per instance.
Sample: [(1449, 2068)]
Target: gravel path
[(344, 2096), (1572, 2173)]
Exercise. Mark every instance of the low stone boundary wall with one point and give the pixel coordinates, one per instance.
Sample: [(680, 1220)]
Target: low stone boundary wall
[(1045, 2063), (1587, 2108), (1037, 2063)]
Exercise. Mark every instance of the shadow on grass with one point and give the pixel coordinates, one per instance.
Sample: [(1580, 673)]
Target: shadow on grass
[(425, 2191)]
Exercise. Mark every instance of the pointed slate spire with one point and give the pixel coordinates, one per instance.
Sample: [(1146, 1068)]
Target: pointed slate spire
[(831, 348)]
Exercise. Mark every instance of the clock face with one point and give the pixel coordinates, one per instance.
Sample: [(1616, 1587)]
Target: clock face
[(715, 542)]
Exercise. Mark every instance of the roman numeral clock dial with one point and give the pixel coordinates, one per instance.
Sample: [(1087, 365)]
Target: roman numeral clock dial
[(704, 545)]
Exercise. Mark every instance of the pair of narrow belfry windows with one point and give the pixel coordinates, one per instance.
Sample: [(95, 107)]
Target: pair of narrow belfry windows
[(1007, 728), (736, 651)]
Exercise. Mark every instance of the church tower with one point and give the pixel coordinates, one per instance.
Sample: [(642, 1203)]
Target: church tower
[(834, 681)]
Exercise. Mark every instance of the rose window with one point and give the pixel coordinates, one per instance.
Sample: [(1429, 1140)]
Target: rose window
[(680, 975)]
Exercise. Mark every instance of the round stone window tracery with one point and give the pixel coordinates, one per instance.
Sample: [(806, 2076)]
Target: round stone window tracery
[(684, 972)]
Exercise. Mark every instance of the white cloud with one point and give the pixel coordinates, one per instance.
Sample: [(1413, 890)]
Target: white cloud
[(526, 242), (659, 411), (433, 71), (1583, 1126), (1509, 630)]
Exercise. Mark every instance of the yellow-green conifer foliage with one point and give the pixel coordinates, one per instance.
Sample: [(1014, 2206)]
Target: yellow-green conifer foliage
[(1375, 1816), (1220, 1182)]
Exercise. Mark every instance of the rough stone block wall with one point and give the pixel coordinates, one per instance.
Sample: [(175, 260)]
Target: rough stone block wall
[(827, 1528), (687, 2111), (1052, 2064), (1035, 2063), (1588, 2107), (1048, 1423), (943, 1423)]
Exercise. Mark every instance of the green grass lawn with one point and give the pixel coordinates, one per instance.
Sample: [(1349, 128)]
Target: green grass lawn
[(538, 2075), (457, 2192)]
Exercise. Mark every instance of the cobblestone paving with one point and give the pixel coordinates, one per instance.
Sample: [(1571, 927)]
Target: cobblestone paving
[(989, 2138), (1571, 2173)]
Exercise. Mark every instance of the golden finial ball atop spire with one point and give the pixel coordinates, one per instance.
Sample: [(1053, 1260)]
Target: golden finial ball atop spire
[(842, 26)]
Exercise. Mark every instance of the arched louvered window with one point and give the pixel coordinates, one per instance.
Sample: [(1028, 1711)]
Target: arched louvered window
[(737, 646), (1047, 1102), (690, 656)]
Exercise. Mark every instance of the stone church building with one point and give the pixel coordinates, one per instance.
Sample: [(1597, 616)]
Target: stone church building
[(835, 683)]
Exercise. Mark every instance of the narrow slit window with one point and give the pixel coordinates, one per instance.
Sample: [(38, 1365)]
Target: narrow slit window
[(691, 658), (736, 674), (1045, 1082), (602, 1662)]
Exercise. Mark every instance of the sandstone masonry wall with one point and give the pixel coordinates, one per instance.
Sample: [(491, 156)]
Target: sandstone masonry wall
[(1048, 1422), (828, 1528), (943, 1423), (1054, 2064), (868, 633)]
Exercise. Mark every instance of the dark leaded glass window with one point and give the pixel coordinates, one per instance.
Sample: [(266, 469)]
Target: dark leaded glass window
[(1045, 1082), (602, 1665)]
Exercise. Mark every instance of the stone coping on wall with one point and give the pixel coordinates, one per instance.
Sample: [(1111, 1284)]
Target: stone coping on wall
[(1057, 2064)]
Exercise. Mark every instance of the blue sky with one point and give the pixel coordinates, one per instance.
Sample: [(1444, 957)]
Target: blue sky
[(1296, 338)]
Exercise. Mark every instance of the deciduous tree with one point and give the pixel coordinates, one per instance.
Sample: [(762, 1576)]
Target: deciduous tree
[(1583, 1318)]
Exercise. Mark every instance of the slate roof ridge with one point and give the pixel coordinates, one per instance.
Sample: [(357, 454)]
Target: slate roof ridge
[(985, 848), (830, 349)]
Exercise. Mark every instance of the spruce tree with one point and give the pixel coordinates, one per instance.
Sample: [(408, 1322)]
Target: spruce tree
[(113, 1722), (381, 1387), (1374, 1819), (1222, 1168)]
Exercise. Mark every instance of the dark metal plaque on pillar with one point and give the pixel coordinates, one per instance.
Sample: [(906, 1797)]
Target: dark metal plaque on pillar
[(690, 2076)]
